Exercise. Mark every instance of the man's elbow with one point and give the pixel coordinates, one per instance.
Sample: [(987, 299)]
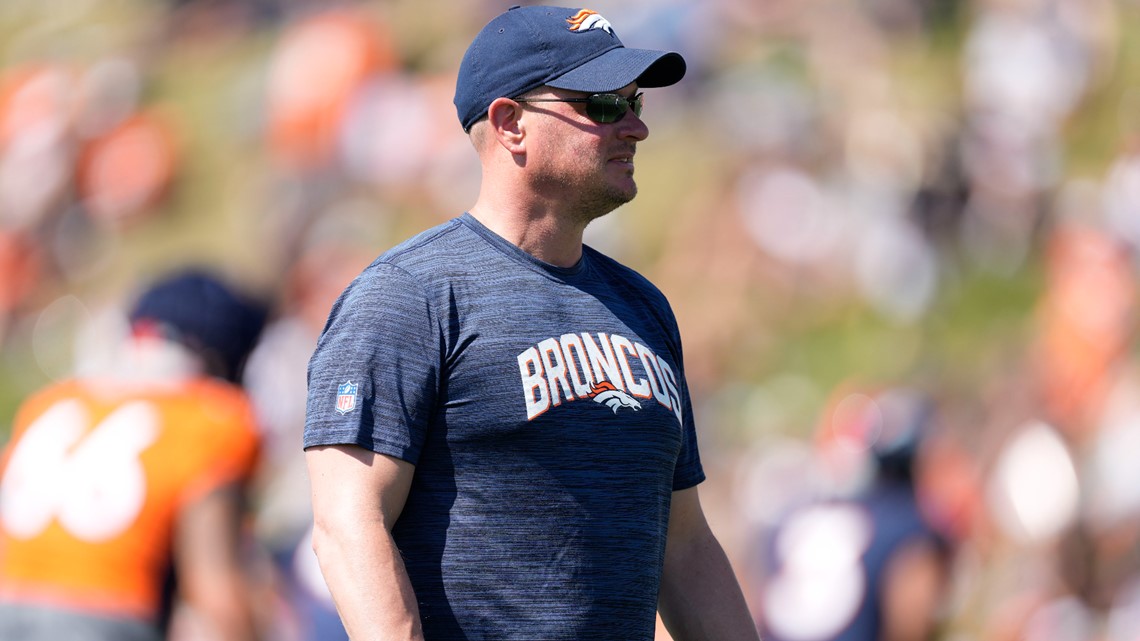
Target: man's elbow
[(324, 538), (337, 531)]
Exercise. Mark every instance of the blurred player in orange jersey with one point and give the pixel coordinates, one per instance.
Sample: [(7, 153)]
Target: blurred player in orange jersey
[(114, 483)]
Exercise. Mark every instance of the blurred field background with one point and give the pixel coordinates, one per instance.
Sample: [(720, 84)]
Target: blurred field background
[(840, 197)]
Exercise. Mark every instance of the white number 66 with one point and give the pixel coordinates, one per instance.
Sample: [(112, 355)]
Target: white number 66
[(93, 482)]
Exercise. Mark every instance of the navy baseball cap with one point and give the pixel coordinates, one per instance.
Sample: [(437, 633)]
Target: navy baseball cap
[(576, 49), (207, 315)]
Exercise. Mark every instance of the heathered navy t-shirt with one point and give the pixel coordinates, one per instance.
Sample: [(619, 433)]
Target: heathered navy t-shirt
[(547, 415)]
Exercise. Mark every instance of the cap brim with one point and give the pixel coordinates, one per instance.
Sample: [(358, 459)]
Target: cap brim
[(619, 67)]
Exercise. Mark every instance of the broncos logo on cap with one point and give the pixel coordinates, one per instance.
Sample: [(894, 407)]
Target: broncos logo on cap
[(586, 20), (613, 398)]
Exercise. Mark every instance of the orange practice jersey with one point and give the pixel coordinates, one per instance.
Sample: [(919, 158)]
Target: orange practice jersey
[(92, 482)]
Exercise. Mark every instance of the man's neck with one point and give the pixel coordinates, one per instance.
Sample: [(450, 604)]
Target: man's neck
[(544, 233)]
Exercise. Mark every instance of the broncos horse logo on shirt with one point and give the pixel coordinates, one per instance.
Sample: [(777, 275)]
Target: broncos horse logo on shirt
[(587, 20), (610, 396)]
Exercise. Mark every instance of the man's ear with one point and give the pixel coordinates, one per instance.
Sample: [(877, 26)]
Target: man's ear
[(505, 119)]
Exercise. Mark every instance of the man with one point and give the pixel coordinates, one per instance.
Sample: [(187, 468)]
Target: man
[(111, 481), (499, 435)]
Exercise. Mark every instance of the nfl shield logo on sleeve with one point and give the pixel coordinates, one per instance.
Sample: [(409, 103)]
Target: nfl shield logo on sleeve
[(346, 397)]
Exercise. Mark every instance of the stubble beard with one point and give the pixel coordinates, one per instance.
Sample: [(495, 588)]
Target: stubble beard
[(585, 196), (591, 198), (602, 202)]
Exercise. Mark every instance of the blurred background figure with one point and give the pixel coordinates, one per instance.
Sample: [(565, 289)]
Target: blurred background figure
[(122, 490), (864, 564), (336, 248), (1065, 504)]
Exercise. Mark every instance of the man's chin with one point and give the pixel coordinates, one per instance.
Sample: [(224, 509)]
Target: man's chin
[(619, 197), (624, 195)]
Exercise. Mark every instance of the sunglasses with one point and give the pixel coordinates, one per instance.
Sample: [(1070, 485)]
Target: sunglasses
[(601, 107)]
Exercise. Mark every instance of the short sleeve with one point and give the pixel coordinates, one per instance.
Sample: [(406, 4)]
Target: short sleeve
[(689, 471), (374, 377)]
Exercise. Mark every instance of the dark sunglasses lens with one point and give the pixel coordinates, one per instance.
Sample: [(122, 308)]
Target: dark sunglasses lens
[(605, 108), (609, 107)]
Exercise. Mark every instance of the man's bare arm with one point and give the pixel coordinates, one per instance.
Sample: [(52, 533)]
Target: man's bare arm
[(700, 597), (357, 497)]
